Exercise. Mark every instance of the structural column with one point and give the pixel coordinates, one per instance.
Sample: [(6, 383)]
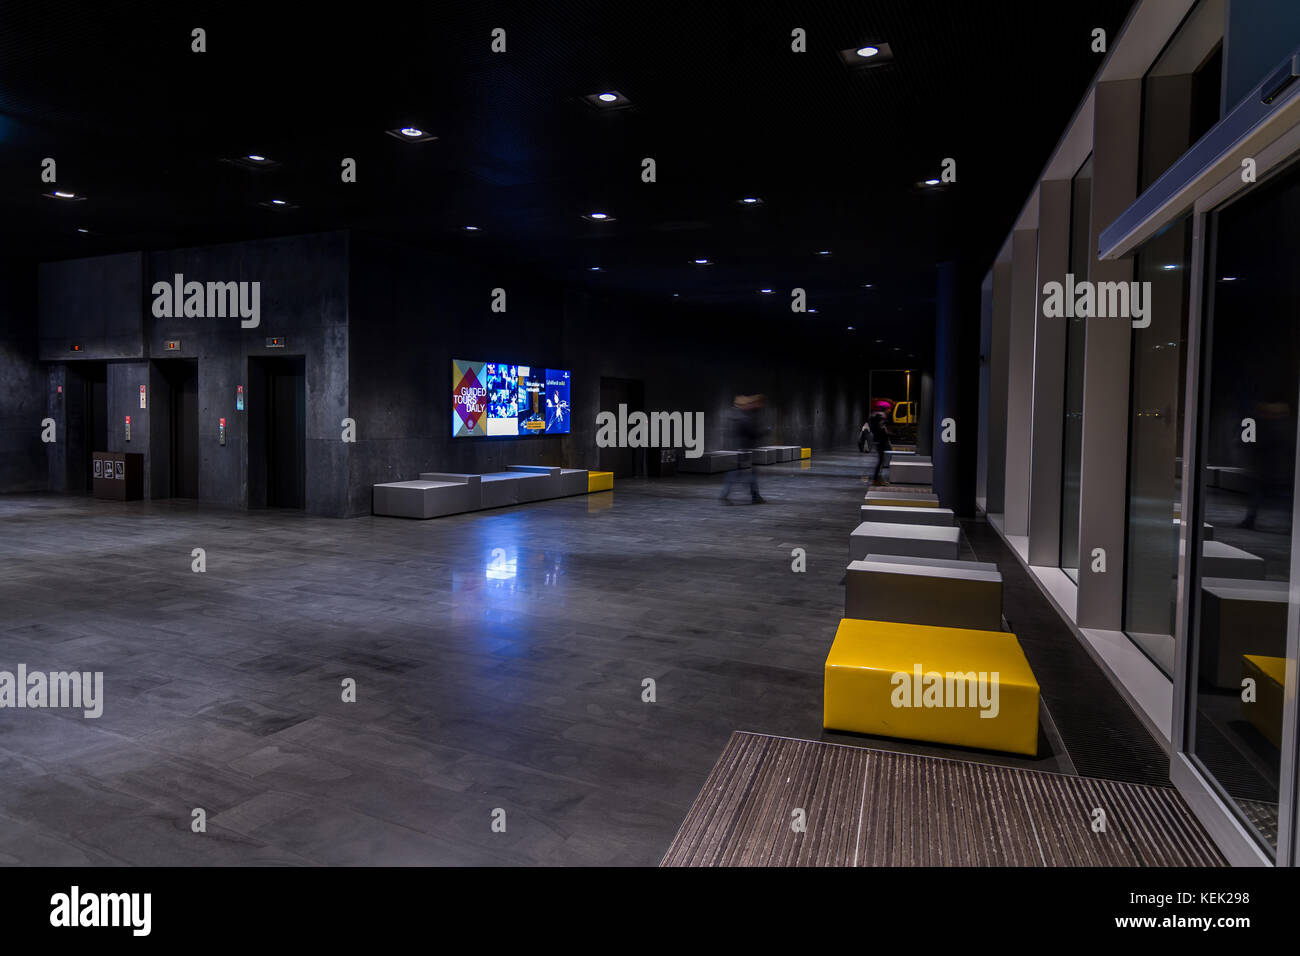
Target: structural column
[(1048, 384), (1020, 364), (1116, 138)]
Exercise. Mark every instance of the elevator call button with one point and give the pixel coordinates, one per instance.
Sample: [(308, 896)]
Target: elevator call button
[(222, 431)]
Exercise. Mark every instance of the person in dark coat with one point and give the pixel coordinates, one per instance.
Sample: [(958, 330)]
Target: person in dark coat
[(880, 435), (745, 432), (864, 437)]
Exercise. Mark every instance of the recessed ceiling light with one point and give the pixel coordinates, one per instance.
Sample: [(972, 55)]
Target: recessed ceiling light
[(812, 310), (751, 201), (824, 252), (608, 100), (879, 341), (64, 194), (866, 55), (674, 295), (597, 215), (866, 285), (471, 228), (256, 158), (897, 349), (702, 262), (278, 202), (79, 229), (411, 134), (931, 182), (765, 291), (595, 268), (1229, 278), (1169, 266), (850, 328)]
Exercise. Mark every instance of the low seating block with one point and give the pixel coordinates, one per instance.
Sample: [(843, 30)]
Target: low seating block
[(898, 514), (1239, 617), (422, 499), (945, 685), (901, 500), (911, 472), (805, 452), (939, 593), (600, 481), (922, 541)]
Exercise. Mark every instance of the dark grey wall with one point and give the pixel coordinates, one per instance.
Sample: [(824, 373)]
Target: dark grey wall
[(24, 464), (412, 312), (104, 305), (94, 303)]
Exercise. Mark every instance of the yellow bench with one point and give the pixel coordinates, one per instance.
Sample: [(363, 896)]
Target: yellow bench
[(805, 452), (931, 683), (600, 481), (1266, 710)]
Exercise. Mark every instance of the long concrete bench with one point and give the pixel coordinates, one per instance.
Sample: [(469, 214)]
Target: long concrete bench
[(763, 456), (573, 481), (945, 685), (942, 517), (915, 540), (900, 499), (709, 462), (1240, 617), (940, 593), (1265, 711), (424, 499), (494, 490)]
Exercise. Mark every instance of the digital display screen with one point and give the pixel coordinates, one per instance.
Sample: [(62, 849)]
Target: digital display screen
[(495, 399)]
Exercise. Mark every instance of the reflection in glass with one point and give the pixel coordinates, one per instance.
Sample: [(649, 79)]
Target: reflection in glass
[(1158, 374), (1075, 337), (1246, 476)]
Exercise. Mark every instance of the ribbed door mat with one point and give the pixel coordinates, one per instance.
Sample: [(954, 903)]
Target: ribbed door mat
[(865, 807)]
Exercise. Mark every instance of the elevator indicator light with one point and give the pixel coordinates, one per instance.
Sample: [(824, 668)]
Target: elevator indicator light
[(222, 431), (127, 428), (239, 398), (142, 396)]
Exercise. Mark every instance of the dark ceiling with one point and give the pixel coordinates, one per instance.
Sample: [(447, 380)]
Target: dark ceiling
[(140, 124)]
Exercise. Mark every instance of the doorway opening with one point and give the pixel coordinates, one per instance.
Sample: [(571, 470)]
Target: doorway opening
[(277, 432), (623, 462), (178, 476)]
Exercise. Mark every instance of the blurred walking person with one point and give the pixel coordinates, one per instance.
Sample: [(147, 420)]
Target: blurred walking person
[(744, 430), (879, 435)]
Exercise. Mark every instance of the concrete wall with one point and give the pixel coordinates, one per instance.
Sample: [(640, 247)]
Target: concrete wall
[(24, 465), (104, 306)]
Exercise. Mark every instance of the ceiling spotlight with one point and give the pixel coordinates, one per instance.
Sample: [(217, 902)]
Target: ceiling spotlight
[(765, 291), (701, 262), (812, 310), (750, 201), (879, 341), (79, 229), (598, 215), (256, 158), (595, 268), (1169, 267), (824, 252), (63, 195), (608, 100), (867, 55), (1229, 279), (410, 134), (278, 202), (471, 228), (931, 182), (866, 285)]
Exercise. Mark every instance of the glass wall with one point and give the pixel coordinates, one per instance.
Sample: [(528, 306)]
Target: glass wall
[(1180, 103), (1076, 330), (1249, 389)]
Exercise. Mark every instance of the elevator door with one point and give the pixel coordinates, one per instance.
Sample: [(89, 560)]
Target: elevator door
[(182, 379), (277, 435)]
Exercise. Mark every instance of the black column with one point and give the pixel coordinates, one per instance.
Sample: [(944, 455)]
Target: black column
[(956, 386)]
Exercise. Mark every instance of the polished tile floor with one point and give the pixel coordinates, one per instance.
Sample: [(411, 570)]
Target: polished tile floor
[(499, 661)]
